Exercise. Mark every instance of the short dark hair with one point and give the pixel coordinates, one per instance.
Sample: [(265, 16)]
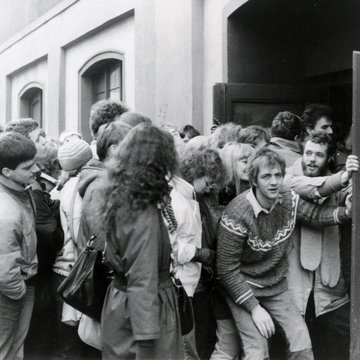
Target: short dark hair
[(110, 134), (253, 134), (23, 126), (256, 161), (313, 113), (15, 149), (105, 111), (133, 118), (200, 163), (323, 138), (190, 130), (286, 125)]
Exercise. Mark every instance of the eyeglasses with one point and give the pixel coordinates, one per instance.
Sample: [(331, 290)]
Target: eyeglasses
[(209, 184)]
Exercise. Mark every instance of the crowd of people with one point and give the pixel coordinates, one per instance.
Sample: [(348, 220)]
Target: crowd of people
[(253, 223)]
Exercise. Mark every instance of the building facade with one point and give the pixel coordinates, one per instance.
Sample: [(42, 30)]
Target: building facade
[(164, 57)]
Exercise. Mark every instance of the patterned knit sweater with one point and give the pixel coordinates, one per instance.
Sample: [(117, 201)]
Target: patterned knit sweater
[(252, 251)]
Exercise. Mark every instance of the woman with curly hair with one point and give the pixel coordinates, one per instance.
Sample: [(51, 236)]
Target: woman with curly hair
[(140, 318), (215, 333)]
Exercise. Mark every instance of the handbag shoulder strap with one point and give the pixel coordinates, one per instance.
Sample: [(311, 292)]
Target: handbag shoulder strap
[(71, 214)]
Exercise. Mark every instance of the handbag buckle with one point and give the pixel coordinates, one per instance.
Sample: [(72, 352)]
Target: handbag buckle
[(91, 240)]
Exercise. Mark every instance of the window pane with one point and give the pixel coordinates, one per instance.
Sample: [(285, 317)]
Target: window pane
[(99, 83), (114, 94), (114, 75), (100, 96)]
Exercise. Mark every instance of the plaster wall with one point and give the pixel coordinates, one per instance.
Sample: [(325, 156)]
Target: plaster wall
[(214, 60), (60, 28), (36, 73), (173, 70), (24, 11), (119, 37)]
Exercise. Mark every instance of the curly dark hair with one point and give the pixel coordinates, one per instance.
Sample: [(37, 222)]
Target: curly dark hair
[(267, 157), (138, 173), (200, 163), (105, 111), (286, 125), (313, 113)]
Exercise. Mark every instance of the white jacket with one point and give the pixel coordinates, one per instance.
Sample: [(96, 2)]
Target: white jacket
[(188, 234), (67, 256)]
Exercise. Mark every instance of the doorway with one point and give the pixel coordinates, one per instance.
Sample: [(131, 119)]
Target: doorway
[(303, 45)]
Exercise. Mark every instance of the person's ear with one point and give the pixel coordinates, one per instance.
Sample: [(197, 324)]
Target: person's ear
[(6, 172), (309, 130)]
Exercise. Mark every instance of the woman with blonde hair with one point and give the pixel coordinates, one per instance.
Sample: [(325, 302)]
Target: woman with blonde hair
[(235, 159)]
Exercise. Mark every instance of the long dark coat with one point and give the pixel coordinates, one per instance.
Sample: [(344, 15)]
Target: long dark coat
[(141, 303)]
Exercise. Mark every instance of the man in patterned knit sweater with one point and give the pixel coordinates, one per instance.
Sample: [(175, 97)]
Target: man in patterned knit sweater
[(252, 263)]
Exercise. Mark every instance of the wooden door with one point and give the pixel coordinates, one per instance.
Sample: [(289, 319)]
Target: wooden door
[(355, 250), (257, 104)]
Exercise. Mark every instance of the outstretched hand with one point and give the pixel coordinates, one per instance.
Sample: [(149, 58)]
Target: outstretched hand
[(351, 166), (348, 204)]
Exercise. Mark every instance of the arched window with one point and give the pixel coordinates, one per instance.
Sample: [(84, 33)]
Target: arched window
[(31, 103), (100, 78)]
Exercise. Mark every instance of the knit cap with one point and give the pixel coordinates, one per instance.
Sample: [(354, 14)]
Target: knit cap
[(66, 134), (74, 154)]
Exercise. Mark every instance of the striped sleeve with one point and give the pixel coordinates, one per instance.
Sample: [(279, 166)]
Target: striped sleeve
[(231, 239), (320, 215)]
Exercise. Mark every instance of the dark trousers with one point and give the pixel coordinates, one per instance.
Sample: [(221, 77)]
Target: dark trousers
[(68, 344), (205, 323), (330, 333)]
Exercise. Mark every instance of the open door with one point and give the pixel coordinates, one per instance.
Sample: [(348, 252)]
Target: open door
[(257, 104), (355, 254)]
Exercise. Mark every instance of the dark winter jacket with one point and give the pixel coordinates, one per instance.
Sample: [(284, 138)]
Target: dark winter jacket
[(48, 231), (91, 185), (141, 302)]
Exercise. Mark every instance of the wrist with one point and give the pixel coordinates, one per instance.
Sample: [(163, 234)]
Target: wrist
[(348, 213), (255, 309), (345, 177)]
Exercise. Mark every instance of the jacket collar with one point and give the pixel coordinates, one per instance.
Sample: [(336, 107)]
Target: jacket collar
[(183, 187), (286, 144), (257, 208), (12, 185)]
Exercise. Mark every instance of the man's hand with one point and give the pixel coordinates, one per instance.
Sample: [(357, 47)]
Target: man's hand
[(352, 165), (348, 204), (263, 321)]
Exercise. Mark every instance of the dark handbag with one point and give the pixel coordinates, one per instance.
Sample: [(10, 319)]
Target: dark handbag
[(185, 308), (85, 287)]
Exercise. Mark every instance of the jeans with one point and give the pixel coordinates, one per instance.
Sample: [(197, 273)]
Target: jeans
[(287, 319), (228, 345), (15, 316)]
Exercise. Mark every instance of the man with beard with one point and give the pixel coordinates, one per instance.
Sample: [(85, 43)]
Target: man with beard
[(252, 257), (315, 277)]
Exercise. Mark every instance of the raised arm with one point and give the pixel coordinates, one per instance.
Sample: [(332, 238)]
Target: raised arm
[(320, 215)]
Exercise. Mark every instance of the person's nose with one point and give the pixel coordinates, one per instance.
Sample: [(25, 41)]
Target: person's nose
[(329, 130), (273, 180)]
